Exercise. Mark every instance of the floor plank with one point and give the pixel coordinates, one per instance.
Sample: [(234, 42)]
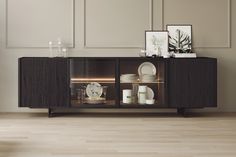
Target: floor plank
[(117, 135)]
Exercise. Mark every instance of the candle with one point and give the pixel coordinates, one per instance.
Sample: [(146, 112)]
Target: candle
[(50, 48), (59, 46)]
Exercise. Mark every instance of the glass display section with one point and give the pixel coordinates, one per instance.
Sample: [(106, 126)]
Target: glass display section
[(93, 82), (142, 82)]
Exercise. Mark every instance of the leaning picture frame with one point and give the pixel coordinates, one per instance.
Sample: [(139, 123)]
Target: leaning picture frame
[(180, 38), (156, 43)]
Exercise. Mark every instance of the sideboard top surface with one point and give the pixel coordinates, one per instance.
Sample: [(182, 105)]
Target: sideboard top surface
[(140, 58)]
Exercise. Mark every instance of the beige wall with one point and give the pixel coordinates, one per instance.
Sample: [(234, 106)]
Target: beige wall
[(113, 28)]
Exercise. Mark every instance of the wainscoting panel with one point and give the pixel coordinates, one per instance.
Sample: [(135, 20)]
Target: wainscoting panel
[(117, 23), (211, 20), (32, 23)]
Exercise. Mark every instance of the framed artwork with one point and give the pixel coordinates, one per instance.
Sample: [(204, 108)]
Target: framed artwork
[(180, 38), (156, 43)]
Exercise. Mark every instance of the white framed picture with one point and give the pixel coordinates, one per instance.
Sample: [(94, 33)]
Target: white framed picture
[(180, 38), (156, 43)]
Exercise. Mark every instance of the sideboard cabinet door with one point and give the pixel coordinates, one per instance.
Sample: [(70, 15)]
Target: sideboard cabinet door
[(59, 82), (192, 82), (43, 82)]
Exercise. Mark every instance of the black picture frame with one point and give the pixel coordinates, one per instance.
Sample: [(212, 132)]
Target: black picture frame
[(180, 38), (160, 47)]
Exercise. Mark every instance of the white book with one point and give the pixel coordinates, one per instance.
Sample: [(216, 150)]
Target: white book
[(185, 55)]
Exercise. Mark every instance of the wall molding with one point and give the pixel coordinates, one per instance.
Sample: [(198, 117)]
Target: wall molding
[(36, 47), (114, 47), (151, 25), (229, 17)]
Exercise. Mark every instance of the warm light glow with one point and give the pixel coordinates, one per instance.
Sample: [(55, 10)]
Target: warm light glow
[(92, 79)]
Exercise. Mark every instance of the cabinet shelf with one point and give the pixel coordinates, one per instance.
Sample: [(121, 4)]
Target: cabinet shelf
[(156, 104), (142, 106), (89, 80), (107, 104)]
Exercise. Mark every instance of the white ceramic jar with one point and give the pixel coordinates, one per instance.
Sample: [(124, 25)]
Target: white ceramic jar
[(127, 96)]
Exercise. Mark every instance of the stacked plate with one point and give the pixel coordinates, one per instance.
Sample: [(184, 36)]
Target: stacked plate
[(148, 78), (128, 78), (95, 100), (147, 72)]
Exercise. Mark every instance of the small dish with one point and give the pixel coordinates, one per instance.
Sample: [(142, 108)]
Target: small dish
[(150, 101)]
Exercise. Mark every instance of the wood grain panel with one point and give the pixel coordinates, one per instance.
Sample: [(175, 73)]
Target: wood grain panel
[(118, 135), (192, 83), (59, 82), (44, 82), (34, 82)]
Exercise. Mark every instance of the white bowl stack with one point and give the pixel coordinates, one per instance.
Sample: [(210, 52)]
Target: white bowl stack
[(148, 78), (128, 78)]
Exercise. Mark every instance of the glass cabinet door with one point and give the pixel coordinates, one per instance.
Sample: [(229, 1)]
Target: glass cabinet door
[(93, 82), (142, 82)]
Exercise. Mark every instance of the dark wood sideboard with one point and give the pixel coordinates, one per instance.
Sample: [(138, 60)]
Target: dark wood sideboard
[(52, 83)]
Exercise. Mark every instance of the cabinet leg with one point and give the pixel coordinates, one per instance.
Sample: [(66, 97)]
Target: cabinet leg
[(50, 113), (181, 111)]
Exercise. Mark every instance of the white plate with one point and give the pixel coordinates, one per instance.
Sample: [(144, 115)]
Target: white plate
[(150, 94), (147, 78), (94, 90), (147, 68), (129, 75), (147, 81)]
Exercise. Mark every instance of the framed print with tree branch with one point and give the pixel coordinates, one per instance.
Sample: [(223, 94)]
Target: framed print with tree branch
[(180, 38), (156, 43)]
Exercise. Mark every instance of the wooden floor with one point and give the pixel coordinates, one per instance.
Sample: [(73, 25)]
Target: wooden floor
[(115, 135)]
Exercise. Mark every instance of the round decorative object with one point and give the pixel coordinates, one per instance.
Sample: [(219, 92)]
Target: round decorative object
[(94, 90), (147, 68)]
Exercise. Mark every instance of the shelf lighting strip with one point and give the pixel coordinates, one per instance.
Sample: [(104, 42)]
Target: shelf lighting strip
[(92, 79)]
